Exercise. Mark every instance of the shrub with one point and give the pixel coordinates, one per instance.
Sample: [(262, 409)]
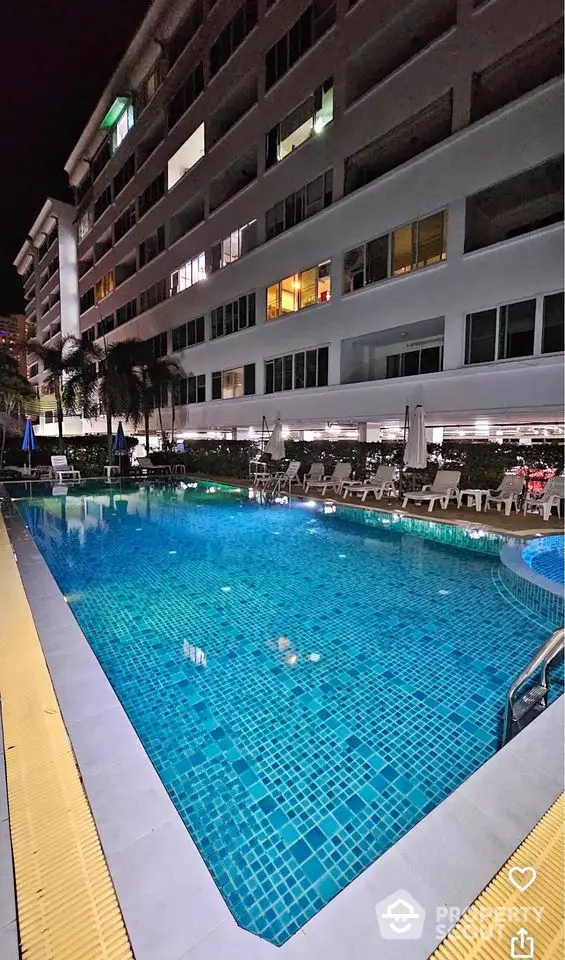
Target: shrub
[(88, 454)]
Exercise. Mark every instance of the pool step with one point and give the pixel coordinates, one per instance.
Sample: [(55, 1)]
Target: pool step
[(528, 702)]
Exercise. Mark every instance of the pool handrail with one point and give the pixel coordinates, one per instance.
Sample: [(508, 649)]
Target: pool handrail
[(543, 658)]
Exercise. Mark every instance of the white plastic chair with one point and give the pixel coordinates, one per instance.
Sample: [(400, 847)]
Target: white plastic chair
[(63, 470), (378, 483), (444, 488), (316, 472), (507, 493), (551, 496), (342, 472), (283, 477)]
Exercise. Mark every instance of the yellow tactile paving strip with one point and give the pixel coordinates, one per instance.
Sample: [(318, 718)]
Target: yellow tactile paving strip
[(67, 906), (504, 922)]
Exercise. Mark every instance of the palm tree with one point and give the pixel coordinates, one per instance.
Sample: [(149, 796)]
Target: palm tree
[(161, 375), (70, 359), (15, 391), (120, 384)]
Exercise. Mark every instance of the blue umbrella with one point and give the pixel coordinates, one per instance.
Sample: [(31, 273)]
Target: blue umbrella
[(120, 445), (29, 442)]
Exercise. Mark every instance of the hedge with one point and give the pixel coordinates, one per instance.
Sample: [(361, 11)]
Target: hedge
[(88, 454), (482, 463)]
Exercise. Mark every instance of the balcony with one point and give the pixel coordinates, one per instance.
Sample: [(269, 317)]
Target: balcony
[(414, 349)]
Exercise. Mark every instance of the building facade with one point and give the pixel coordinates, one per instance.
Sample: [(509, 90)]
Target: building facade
[(328, 210), (15, 330)]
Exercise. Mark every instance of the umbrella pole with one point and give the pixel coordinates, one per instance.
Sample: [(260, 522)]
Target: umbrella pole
[(401, 471)]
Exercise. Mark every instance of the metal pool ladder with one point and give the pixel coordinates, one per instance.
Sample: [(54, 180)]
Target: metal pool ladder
[(521, 709)]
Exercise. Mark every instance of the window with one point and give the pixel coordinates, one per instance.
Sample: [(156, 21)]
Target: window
[(299, 290), (105, 286), (416, 245), (151, 194), (300, 205), (304, 122), (186, 156), (191, 390), (148, 88), (85, 223), (127, 312), (185, 32), (158, 345), (102, 202), (185, 97), (500, 333), (152, 246), (33, 370), (190, 273), (83, 188), (49, 417), (238, 243), (87, 300), (124, 175), (233, 35), (103, 157), (228, 384), (89, 335), (294, 371), (231, 317), (122, 125), (153, 295), (188, 334), (105, 325), (310, 26), (125, 222), (552, 335), (415, 362)]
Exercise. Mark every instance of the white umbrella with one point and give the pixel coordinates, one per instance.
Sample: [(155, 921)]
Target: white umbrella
[(275, 443), (416, 449)]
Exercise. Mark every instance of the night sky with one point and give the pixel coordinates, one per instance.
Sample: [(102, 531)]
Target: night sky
[(57, 56)]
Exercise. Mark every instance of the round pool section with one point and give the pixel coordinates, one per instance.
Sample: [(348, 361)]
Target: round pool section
[(546, 556)]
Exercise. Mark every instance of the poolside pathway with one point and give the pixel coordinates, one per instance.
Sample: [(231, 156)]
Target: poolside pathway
[(66, 903)]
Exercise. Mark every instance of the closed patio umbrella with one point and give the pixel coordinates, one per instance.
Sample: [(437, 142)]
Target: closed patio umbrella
[(275, 443), (416, 449), (29, 441), (120, 446)]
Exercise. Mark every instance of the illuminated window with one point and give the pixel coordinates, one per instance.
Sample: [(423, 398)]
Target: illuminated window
[(299, 291), (105, 286), (85, 223), (307, 120), (190, 273), (411, 247), (122, 126), (237, 382), (186, 156), (238, 243)]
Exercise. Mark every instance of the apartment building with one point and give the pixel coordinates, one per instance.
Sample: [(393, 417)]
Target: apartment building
[(325, 210), (47, 264), (14, 331)]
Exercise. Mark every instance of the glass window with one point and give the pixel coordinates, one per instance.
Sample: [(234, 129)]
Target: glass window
[(430, 360), (273, 301), (123, 126), (393, 365), (376, 260), (402, 250), (308, 287), (190, 273), (354, 269), (516, 330), (298, 371), (552, 336), (186, 156), (431, 240), (85, 223), (232, 383), (480, 342), (105, 286)]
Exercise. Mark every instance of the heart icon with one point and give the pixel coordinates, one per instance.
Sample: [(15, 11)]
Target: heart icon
[(522, 877)]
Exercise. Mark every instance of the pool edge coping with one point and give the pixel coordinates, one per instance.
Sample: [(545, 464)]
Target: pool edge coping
[(340, 916)]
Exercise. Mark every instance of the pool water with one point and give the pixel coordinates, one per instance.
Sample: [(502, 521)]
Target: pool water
[(546, 556), (355, 674)]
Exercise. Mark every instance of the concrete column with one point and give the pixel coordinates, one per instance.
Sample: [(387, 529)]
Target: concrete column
[(234, 433), (454, 341), (373, 432), (362, 427)]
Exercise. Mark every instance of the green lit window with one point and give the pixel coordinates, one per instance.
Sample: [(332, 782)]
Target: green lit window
[(119, 119)]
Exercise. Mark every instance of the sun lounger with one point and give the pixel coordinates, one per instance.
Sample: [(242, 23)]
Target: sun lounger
[(145, 463), (506, 494), (63, 470), (444, 488), (378, 484), (551, 496), (342, 472)]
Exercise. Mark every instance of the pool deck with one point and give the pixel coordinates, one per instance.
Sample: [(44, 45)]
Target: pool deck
[(170, 904)]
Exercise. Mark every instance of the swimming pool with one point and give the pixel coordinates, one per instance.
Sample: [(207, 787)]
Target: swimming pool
[(545, 556), (355, 671)]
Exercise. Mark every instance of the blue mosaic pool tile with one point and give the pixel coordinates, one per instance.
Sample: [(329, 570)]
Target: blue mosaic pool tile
[(292, 775)]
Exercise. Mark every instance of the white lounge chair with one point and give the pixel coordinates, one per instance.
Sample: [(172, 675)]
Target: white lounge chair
[(551, 496), (342, 472), (378, 483), (283, 477), (146, 463), (63, 470), (444, 488), (507, 493), (316, 472)]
